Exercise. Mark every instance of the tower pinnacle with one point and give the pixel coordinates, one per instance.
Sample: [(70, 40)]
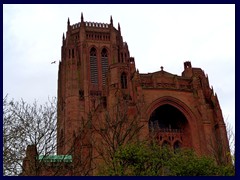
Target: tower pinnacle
[(119, 28), (68, 22), (111, 20), (63, 38), (82, 17)]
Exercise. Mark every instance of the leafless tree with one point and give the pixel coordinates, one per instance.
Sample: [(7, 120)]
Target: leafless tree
[(222, 149), (115, 127), (231, 140), (33, 124), (26, 124), (81, 157)]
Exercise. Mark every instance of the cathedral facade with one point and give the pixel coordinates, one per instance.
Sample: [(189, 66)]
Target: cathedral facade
[(98, 83)]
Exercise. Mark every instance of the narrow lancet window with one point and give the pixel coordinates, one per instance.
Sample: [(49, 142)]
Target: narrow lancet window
[(72, 53), (124, 80)]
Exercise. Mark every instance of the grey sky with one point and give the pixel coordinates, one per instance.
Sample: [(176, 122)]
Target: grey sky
[(157, 35)]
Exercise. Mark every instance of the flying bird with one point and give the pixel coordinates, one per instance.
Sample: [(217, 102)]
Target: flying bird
[(53, 62)]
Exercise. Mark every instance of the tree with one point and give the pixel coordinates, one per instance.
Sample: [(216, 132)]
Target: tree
[(138, 159), (116, 126), (112, 136), (223, 148), (145, 159), (32, 124), (26, 124), (231, 140), (187, 163)]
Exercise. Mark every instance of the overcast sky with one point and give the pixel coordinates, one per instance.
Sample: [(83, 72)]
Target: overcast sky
[(157, 35)]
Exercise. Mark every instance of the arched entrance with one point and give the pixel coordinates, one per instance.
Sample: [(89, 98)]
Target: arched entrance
[(169, 126)]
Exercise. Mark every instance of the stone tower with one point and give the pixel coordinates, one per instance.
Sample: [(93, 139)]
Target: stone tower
[(92, 54)]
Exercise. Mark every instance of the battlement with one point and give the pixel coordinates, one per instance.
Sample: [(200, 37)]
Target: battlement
[(75, 26), (94, 24), (91, 24)]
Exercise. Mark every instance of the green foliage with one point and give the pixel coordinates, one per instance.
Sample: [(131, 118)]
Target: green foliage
[(186, 163), (142, 159)]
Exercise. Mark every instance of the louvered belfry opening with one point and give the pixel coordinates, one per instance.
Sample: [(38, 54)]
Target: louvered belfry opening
[(104, 61), (93, 66)]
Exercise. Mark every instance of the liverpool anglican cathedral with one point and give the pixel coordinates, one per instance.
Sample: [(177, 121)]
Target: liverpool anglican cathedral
[(104, 100)]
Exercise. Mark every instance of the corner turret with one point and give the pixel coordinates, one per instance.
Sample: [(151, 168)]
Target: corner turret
[(187, 69)]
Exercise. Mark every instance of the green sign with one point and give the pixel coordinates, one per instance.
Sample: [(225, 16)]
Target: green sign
[(55, 158)]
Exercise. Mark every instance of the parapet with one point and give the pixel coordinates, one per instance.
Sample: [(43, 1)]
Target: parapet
[(91, 24)]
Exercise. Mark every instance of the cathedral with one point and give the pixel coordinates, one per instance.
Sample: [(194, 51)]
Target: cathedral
[(104, 101)]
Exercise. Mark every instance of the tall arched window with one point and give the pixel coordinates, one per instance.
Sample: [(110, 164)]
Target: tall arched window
[(104, 61), (93, 66), (124, 80)]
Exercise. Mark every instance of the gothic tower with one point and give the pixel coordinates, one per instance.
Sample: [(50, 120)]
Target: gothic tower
[(92, 54)]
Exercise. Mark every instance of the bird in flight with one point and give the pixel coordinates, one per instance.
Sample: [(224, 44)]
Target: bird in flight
[(53, 62)]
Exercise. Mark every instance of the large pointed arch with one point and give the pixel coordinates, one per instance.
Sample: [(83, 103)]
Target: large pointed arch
[(191, 121), (181, 106)]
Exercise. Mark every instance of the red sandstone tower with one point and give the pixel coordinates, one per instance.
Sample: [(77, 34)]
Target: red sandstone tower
[(90, 53), (96, 70)]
